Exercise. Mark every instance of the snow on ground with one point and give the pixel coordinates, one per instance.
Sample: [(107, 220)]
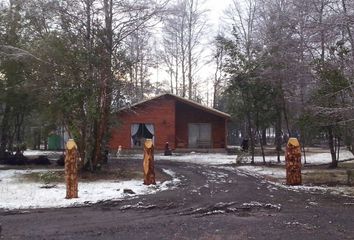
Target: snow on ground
[(200, 158), (41, 152), (170, 184), (278, 173), (264, 171), (323, 158), (336, 190), (222, 159), (20, 194)]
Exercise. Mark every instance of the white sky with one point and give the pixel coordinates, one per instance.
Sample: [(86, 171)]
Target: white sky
[(215, 10)]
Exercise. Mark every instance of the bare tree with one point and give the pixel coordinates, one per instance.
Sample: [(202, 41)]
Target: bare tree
[(183, 31), (95, 32), (219, 75)]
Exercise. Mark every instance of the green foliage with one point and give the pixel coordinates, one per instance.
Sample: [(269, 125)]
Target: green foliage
[(248, 94), (332, 81), (331, 97), (17, 97), (308, 126), (49, 177)]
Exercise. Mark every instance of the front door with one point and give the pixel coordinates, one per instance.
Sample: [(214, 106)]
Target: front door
[(199, 135)]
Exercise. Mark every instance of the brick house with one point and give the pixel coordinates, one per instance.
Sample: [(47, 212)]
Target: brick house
[(169, 118)]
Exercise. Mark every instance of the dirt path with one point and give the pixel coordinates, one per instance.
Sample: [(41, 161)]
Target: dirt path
[(210, 203)]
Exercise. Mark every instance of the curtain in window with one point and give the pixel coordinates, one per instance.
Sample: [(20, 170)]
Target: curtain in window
[(133, 130), (151, 129)]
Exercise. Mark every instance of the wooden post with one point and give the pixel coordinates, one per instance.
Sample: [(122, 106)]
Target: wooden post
[(71, 162), (293, 162), (148, 164)]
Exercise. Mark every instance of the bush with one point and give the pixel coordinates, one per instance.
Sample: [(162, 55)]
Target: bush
[(61, 160), (20, 159), (17, 159), (49, 177), (41, 160), (6, 157)]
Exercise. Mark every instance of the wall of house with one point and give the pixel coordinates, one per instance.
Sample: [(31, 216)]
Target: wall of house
[(186, 114), (160, 112)]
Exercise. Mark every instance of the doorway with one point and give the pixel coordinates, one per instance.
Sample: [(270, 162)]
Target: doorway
[(199, 135)]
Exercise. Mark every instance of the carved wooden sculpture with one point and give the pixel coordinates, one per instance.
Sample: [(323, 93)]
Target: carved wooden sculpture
[(293, 162), (148, 164), (71, 162)]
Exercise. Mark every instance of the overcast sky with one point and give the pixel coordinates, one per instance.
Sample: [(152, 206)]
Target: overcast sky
[(216, 8), (204, 76)]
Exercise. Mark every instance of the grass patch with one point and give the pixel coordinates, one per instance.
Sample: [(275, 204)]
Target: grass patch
[(346, 165), (328, 177), (116, 174), (51, 177), (107, 172), (45, 177)]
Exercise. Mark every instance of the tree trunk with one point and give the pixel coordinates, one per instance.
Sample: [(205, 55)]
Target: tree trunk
[(331, 145), (261, 140), (251, 136), (347, 26), (264, 137), (286, 116), (190, 19), (304, 151), (176, 67), (338, 148), (183, 67), (278, 135), (4, 130), (106, 79), (171, 80), (183, 55), (141, 76), (215, 105), (322, 33)]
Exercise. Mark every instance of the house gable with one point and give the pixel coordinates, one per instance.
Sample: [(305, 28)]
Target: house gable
[(171, 117)]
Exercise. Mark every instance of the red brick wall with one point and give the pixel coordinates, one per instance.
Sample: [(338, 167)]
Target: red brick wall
[(186, 114), (170, 119), (160, 112)]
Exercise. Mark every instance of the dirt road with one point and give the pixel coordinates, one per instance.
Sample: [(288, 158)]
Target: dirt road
[(209, 203)]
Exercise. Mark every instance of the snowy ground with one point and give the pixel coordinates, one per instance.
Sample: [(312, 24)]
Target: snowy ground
[(41, 152), (277, 173), (19, 194), (222, 159)]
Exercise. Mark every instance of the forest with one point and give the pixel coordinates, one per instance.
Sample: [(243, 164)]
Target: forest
[(281, 64)]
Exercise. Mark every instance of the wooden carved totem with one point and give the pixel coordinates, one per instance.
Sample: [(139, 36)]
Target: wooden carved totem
[(71, 162), (148, 164), (293, 162)]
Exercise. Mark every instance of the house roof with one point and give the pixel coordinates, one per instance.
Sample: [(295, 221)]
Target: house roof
[(183, 100)]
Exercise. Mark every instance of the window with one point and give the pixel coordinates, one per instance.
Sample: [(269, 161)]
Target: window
[(140, 132)]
